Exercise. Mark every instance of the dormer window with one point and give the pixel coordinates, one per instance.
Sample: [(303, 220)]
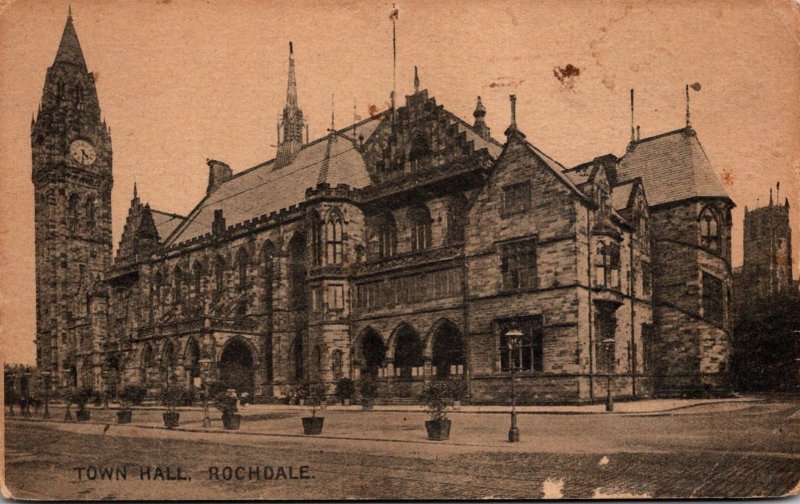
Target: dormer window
[(709, 229)]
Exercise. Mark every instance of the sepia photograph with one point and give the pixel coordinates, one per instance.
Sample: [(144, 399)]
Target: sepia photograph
[(411, 250)]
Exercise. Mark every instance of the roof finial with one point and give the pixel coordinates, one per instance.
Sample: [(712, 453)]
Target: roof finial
[(333, 116), (688, 116), (291, 49), (633, 135), (513, 99), (416, 80), (770, 196), (355, 117), (135, 191), (393, 16), (778, 192)]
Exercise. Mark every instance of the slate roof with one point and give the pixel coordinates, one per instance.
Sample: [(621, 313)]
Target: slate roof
[(673, 167), (261, 190), (69, 49), (621, 194)]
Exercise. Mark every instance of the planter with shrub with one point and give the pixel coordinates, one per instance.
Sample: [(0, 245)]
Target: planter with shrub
[(226, 402), (171, 398), (438, 398), (81, 398), (131, 394), (316, 399), (369, 389), (345, 390)]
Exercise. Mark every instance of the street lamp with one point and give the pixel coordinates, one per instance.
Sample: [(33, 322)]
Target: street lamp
[(205, 366), (608, 344), (513, 338), (46, 380)]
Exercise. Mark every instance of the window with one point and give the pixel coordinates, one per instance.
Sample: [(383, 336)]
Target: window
[(516, 198), (420, 151), (269, 272), (60, 88), (334, 241), (607, 265), (336, 364), (387, 237), (456, 219), (529, 355), (178, 285), (518, 265), (709, 229), (72, 212), (297, 272), (316, 238), (219, 275), (420, 219), (647, 278), (78, 97), (713, 303), (197, 276), (335, 297), (90, 214), (606, 323), (241, 266)]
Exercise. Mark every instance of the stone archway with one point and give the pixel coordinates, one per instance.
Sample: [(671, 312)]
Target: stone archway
[(236, 366), (408, 351), (191, 362), (448, 350), (373, 352), (113, 370)]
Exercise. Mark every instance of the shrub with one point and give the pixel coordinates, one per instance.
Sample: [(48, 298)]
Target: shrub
[(172, 397), (316, 396), (225, 402), (345, 389), (133, 395), (437, 397), (458, 387), (369, 388), (81, 397)]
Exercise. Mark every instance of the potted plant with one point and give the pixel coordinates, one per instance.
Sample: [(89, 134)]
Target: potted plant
[(171, 398), (458, 389), (316, 398), (345, 390), (226, 402), (369, 389), (438, 397), (81, 398), (131, 394)]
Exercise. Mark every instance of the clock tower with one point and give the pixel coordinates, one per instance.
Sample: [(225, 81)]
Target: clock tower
[(72, 159)]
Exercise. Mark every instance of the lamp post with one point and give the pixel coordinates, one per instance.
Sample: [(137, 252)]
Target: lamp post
[(205, 365), (46, 380), (513, 338), (608, 343)]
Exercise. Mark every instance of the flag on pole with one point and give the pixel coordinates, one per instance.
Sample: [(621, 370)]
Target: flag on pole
[(395, 13)]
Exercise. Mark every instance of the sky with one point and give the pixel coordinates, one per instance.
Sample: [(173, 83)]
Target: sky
[(182, 81)]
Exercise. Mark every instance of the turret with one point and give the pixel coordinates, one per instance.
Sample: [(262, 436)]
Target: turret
[(291, 125)]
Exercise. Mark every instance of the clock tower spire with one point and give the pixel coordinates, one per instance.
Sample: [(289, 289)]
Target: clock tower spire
[(72, 179)]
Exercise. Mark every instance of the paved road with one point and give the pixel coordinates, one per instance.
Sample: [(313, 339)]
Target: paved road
[(752, 449)]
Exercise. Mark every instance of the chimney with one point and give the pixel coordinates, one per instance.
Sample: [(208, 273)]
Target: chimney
[(218, 226), (218, 173)]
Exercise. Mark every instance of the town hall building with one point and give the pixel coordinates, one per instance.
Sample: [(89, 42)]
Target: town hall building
[(404, 247)]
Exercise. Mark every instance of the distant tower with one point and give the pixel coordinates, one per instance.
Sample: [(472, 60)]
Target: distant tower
[(71, 148), (291, 125), (767, 265)]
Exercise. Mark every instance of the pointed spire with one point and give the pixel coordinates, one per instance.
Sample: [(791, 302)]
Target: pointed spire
[(416, 80), (333, 116), (633, 135), (480, 125), (135, 192), (291, 88), (480, 111), (69, 49), (292, 122)]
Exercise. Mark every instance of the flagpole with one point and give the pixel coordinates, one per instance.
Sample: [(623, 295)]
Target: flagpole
[(394, 59)]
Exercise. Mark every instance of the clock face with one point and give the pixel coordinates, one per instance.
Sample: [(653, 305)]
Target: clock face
[(82, 152)]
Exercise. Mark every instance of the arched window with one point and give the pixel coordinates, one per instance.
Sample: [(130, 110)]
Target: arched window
[(269, 275), (334, 241), (709, 229), (158, 288), (60, 88), (178, 285), (197, 277), (72, 211), (387, 236), (336, 364), (420, 220), (241, 266), (79, 97), (420, 151), (456, 219), (297, 269), (90, 214), (219, 275), (318, 357), (316, 238)]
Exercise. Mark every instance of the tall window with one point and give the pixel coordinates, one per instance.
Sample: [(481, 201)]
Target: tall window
[(178, 285), (713, 302), (78, 97), (297, 268), (73, 211), (219, 275), (456, 219), (420, 151), (90, 214), (607, 265), (336, 364), (197, 279), (420, 219), (709, 229), (516, 198), (269, 272), (241, 266), (518, 265), (334, 240), (387, 236), (316, 238), (606, 330), (60, 88), (529, 355)]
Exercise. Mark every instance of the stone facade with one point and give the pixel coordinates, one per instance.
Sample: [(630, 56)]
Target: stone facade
[(405, 246)]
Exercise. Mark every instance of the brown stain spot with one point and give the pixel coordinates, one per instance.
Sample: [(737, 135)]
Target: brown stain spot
[(373, 110), (567, 75), (727, 177), (501, 82)]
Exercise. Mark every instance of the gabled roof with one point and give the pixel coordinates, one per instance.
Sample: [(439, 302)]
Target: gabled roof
[(621, 195), (673, 167), (69, 50), (260, 190)]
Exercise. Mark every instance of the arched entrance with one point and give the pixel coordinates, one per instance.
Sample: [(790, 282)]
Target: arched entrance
[(407, 351), (113, 369), (236, 367), (448, 350), (297, 355), (373, 353), (168, 362)]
